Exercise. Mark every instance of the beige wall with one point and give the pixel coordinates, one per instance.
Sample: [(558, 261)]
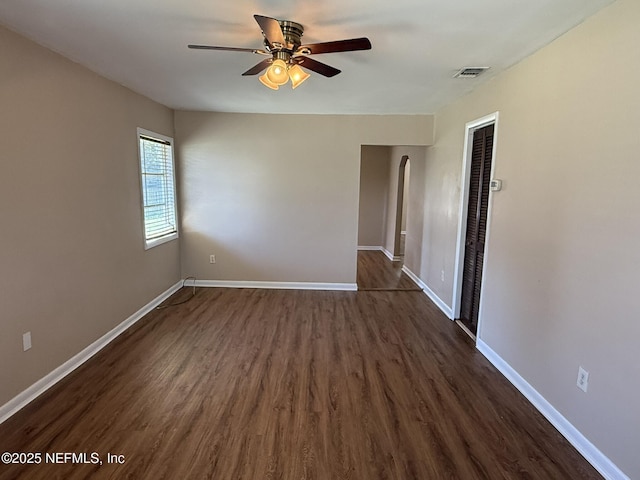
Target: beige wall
[(374, 190), (72, 263), (561, 278), (275, 197), (392, 204), (414, 202), (405, 195)]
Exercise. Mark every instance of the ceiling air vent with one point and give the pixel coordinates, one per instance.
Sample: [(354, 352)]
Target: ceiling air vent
[(470, 72)]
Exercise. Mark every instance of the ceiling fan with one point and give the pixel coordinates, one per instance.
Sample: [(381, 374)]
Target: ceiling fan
[(282, 43)]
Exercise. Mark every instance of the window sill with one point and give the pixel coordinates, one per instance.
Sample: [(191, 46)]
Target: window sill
[(159, 241)]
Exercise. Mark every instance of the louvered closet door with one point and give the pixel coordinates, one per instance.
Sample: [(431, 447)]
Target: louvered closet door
[(476, 226)]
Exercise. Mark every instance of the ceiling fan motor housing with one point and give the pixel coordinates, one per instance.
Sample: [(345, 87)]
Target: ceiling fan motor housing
[(292, 33)]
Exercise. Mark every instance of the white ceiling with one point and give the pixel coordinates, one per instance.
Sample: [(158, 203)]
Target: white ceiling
[(417, 47)]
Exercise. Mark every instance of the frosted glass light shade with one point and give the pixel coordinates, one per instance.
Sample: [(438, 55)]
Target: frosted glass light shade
[(297, 75), (268, 83), (277, 72)]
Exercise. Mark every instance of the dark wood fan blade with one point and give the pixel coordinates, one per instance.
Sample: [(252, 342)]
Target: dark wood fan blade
[(256, 69), (349, 45), (271, 30), (229, 49), (318, 67)]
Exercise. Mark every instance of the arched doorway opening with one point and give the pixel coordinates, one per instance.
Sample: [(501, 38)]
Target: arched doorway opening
[(402, 208)]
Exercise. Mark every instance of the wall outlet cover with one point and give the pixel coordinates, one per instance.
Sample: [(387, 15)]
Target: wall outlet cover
[(583, 379), (26, 341)]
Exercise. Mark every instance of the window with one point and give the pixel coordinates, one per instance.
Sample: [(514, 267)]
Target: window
[(158, 188)]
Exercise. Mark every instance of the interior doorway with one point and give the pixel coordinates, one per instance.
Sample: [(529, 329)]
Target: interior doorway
[(383, 217)]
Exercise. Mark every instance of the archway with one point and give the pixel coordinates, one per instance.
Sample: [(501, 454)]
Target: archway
[(402, 208)]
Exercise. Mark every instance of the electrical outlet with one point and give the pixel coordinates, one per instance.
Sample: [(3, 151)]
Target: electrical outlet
[(212, 259), (583, 379), (442, 275), (26, 341)]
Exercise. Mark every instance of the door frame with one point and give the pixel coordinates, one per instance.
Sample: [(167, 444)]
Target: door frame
[(470, 129)]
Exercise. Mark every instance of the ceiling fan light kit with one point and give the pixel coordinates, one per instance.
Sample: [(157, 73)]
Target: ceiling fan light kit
[(268, 83), (277, 72), (282, 41), (297, 75), (274, 78)]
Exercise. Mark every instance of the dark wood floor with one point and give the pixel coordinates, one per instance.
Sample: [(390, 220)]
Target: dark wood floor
[(268, 384), (377, 272)]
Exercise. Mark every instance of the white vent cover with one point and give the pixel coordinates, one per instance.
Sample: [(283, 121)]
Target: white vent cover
[(470, 72)]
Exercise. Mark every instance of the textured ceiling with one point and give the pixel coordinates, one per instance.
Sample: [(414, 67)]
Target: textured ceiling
[(417, 47)]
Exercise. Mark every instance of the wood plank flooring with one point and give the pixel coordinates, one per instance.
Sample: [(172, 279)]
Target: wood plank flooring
[(377, 272), (273, 384)]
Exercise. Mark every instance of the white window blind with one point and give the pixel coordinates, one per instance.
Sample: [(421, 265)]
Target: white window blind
[(158, 188)]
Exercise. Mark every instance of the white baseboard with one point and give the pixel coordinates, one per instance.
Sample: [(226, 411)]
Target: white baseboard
[(594, 456), (390, 255), (49, 380), (413, 277), (446, 309), (275, 285)]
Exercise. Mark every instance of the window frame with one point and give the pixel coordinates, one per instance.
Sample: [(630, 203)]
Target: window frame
[(141, 134)]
